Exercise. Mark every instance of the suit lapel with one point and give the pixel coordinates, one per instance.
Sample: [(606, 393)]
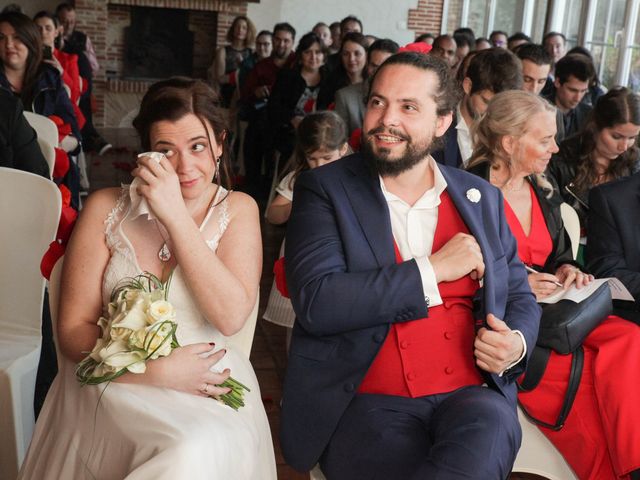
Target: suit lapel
[(371, 209)]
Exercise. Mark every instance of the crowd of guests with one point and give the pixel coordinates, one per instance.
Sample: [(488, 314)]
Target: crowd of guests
[(531, 119)]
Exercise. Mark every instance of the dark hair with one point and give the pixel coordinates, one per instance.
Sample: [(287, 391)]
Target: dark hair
[(250, 40), (49, 15), (619, 105), (354, 37), (324, 129), (383, 45), (440, 38), (334, 25), (172, 99), (461, 72), (264, 32), (319, 24), (446, 96), (497, 32), (307, 40), (575, 65), (424, 36), (349, 19), (519, 36), (64, 7), (578, 50), (481, 39), (495, 69), (465, 31), (464, 39), (549, 35), (534, 53), (29, 35), (285, 27)]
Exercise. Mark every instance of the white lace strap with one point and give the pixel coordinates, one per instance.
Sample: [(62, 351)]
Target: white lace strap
[(110, 223)]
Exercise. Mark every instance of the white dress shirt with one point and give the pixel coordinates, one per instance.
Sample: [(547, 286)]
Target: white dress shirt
[(464, 138)]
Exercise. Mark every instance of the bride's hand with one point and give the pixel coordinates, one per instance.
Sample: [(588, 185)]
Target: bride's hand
[(188, 369), (160, 187)]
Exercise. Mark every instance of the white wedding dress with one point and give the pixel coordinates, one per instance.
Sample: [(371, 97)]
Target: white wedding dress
[(117, 431)]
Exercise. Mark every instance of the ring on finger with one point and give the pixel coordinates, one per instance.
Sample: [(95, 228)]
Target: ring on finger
[(205, 389)]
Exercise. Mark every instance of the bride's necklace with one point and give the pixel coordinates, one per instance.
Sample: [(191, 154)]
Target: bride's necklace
[(164, 254)]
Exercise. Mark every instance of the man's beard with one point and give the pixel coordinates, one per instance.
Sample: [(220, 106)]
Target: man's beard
[(386, 167)]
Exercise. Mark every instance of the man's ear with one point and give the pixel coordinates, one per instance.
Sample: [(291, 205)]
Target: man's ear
[(466, 85), (556, 82), (344, 149), (443, 122)]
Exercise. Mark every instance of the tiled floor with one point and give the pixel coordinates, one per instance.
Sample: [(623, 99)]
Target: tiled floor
[(268, 354)]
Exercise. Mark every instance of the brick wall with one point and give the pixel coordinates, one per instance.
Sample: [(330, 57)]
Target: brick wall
[(104, 23), (426, 18)]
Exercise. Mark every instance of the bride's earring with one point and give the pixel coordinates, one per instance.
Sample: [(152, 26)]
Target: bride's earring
[(217, 174)]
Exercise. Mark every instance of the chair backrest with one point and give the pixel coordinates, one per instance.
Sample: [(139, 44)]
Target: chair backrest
[(44, 127), (29, 215), (572, 226), (54, 299), (243, 340), (49, 154)]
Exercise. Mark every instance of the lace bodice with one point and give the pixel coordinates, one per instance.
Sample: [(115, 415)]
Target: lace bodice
[(192, 326)]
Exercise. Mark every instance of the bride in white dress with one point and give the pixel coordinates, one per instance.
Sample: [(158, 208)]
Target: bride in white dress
[(163, 424)]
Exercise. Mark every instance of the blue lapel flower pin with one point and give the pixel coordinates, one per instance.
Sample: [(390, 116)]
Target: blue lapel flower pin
[(474, 195)]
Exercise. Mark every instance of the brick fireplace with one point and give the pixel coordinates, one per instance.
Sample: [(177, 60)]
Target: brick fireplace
[(118, 95)]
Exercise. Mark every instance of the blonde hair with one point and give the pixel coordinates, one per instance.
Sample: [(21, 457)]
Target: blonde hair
[(508, 113)]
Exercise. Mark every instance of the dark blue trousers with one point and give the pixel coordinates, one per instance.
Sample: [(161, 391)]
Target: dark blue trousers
[(471, 433)]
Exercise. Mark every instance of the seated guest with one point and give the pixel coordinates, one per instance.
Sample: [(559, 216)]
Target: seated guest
[(295, 93), (335, 38), (66, 63), (604, 151), (349, 71), (323, 32), (374, 388), (18, 141), (349, 24), (445, 47), (600, 437), (264, 46), (350, 100), (24, 73), (517, 39), (163, 422), (489, 72), (465, 41), (573, 75), (241, 37), (498, 39), (596, 89), (613, 249), (483, 44)]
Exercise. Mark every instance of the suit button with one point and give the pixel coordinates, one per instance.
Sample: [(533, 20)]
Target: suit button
[(411, 376), (378, 338), (448, 335), (404, 344), (349, 387), (448, 370)]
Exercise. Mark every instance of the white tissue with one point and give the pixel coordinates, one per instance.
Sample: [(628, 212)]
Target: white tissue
[(139, 204)]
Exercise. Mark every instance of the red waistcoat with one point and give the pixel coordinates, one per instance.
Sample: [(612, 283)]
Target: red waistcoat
[(434, 354)]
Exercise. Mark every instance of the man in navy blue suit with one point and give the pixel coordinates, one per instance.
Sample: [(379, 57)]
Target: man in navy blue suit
[(414, 315), (490, 72)]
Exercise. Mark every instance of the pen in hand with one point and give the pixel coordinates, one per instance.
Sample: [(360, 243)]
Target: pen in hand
[(531, 270)]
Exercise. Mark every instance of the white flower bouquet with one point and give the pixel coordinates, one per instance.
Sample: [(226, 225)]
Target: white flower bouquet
[(139, 326)]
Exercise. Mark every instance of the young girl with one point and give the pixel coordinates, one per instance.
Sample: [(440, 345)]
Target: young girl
[(321, 139)]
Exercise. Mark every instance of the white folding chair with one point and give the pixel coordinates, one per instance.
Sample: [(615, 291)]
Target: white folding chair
[(29, 213), (571, 225), (49, 154), (44, 127)]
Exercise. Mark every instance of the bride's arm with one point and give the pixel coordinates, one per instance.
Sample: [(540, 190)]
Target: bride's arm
[(85, 260), (224, 283)]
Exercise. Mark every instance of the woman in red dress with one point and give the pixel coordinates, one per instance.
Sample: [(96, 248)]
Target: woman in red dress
[(601, 436)]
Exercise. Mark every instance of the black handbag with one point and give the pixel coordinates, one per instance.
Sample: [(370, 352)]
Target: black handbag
[(563, 327)]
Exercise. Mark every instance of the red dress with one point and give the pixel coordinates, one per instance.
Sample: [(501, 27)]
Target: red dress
[(601, 436)]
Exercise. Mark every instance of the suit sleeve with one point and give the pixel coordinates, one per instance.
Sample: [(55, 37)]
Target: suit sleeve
[(605, 252), (522, 311), (327, 296)]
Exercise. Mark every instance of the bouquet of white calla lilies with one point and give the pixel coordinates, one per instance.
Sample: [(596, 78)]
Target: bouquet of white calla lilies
[(139, 326)]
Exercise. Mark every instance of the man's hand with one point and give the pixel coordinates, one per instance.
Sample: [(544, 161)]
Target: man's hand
[(496, 349), (458, 257)]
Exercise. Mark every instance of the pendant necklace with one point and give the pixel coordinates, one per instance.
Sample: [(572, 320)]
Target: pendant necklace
[(164, 254)]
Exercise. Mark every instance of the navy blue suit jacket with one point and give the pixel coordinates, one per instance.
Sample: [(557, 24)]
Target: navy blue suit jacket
[(449, 154), (347, 289)]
